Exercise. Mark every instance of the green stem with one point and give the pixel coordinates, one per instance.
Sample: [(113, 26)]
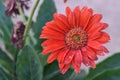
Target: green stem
[(15, 67), (30, 20), (21, 12)]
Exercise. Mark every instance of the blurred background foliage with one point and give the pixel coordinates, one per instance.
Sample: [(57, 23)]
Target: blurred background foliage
[(29, 64)]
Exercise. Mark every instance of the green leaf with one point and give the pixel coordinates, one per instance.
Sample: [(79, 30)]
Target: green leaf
[(5, 22), (43, 59), (6, 61), (113, 74), (4, 75), (79, 76), (28, 65), (45, 14), (52, 72), (6, 26), (109, 63), (6, 66)]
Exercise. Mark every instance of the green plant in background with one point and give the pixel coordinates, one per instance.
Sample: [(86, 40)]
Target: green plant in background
[(27, 63)]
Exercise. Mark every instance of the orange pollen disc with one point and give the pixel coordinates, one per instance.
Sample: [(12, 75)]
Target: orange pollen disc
[(76, 38)]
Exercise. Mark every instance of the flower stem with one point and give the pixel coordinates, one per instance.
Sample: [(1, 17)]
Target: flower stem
[(30, 20), (21, 12), (15, 67)]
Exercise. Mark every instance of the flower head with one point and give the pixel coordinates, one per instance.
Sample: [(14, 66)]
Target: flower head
[(12, 7), (75, 38), (17, 36)]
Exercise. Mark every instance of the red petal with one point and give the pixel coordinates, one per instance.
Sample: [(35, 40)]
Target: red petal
[(85, 60), (92, 64), (52, 56), (53, 26), (88, 62), (94, 31), (51, 31), (85, 56), (97, 27), (94, 19), (61, 65), (64, 20), (75, 66), (94, 44), (65, 68), (104, 49), (69, 56), (91, 54), (77, 15), (93, 28), (62, 55), (84, 49), (71, 19), (90, 10), (53, 47), (59, 22), (68, 11), (104, 38), (49, 42), (78, 57), (84, 17), (47, 35), (101, 53), (104, 26)]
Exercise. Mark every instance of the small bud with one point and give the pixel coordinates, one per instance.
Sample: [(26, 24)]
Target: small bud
[(17, 36), (12, 7), (65, 1)]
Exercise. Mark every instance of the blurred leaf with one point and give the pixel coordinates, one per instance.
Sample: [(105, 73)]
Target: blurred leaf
[(28, 65), (5, 57), (5, 23), (45, 14), (6, 66), (43, 59), (51, 72), (4, 75), (109, 63), (6, 26), (113, 74)]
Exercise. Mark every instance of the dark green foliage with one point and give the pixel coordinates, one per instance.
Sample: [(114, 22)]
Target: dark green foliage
[(108, 64), (28, 65), (113, 74)]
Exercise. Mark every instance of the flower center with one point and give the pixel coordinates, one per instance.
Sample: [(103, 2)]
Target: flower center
[(76, 38)]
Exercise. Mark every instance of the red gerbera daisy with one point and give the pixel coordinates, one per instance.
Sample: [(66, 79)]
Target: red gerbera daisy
[(75, 38)]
